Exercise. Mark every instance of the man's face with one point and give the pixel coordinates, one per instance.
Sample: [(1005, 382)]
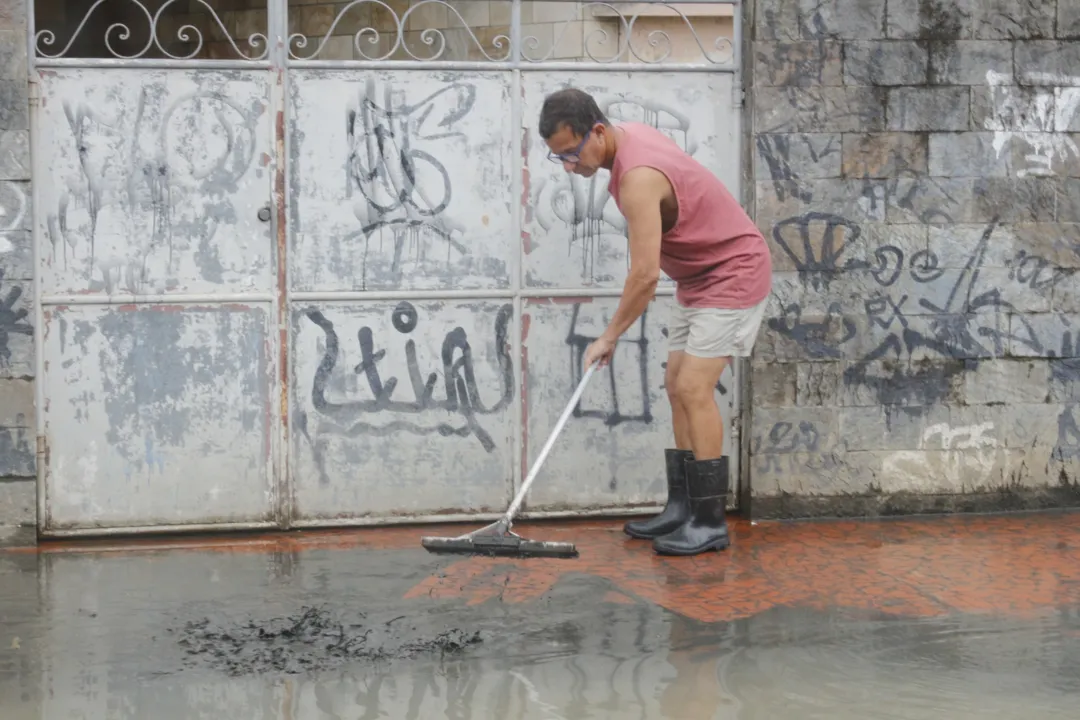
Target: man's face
[(579, 155)]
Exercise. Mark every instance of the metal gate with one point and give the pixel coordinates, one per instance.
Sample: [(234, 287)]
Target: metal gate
[(303, 264)]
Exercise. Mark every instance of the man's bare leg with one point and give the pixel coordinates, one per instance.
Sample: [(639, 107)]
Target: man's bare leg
[(695, 388), (678, 413)]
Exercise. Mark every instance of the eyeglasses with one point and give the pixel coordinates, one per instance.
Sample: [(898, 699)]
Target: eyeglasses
[(570, 157)]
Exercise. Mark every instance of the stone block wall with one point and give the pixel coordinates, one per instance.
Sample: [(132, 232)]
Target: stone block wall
[(917, 174), (17, 494)]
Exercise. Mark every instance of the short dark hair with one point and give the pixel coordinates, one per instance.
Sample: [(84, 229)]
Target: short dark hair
[(571, 107)]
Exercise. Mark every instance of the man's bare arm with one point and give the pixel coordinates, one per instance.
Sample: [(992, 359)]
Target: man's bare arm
[(640, 193)]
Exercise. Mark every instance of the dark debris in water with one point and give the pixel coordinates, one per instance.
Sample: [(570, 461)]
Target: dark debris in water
[(306, 641)]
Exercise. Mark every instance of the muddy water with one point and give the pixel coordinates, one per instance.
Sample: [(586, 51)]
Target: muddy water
[(326, 634)]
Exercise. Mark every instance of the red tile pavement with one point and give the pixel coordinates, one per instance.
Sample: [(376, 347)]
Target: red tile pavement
[(1018, 564)]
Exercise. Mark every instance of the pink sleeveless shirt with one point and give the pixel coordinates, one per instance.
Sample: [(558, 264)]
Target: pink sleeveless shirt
[(715, 254)]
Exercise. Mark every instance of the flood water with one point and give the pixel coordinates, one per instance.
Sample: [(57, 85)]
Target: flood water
[(122, 635)]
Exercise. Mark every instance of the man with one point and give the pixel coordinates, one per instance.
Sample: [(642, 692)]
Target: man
[(682, 220)]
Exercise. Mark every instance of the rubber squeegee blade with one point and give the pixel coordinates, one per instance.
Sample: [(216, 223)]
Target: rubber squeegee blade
[(499, 546)]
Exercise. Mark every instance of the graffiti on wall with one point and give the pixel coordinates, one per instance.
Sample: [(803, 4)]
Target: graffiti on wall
[(13, 214), (374, 379), (14, 306), (779, 153), (13, 319), (917, 307), (393, 165), (16, 443), (1034, 120), (632, 348), (16, 450), (1065, 374), (924, 321), (947, 458), (597, 230), (774, 451), (400, 181), (968, 457), (435, 397), (630, 385), (147, 185), (785, 438)]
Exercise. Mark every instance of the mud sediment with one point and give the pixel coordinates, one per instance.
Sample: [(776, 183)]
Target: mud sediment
[(312, 639)]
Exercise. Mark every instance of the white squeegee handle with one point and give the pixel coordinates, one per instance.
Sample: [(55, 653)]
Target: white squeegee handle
[(535, 470)]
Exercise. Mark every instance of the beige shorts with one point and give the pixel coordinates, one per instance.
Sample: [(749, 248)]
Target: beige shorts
[(715, 332)]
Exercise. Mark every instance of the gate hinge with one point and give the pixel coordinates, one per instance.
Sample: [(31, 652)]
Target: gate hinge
[(42, 459), (33, 91)]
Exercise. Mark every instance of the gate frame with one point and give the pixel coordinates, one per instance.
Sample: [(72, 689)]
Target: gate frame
[(276, 61)]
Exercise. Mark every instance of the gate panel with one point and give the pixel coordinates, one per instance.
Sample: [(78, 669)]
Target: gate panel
[(402, 408), (159, 414), (400, 180), (156, 182), (157, 273)]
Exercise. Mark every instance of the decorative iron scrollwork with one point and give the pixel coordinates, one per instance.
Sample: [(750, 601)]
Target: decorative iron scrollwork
[(429, 36), (120, 31), (607, 28), (626, 45)]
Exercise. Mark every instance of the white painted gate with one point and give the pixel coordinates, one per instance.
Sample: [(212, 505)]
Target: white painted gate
[(333, 279)]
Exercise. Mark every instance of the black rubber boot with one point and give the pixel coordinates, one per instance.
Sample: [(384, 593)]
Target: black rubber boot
[(677, 508), (706, 528)]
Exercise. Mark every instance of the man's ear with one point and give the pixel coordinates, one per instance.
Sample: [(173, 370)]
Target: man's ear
[(601, 132)]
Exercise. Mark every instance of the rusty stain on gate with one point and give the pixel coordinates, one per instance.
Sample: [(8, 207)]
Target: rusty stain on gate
[(401, 262)]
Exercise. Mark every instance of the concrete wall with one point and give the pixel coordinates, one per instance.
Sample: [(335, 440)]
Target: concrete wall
[(916, 174), (17, 496)]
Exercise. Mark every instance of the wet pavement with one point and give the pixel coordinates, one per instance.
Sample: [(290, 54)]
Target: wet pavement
[(961, 617)]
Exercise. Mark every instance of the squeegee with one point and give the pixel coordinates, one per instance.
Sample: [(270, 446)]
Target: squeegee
[(497, 538)]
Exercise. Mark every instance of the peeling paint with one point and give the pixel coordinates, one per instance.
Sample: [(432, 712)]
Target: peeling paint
[(154, 182), (173, 396)]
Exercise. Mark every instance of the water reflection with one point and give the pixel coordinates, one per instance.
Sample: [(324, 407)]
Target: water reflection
[(779, 667), (92, 643)]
